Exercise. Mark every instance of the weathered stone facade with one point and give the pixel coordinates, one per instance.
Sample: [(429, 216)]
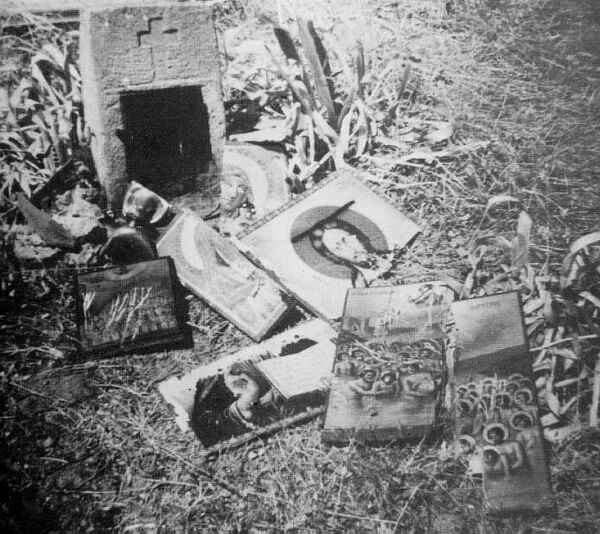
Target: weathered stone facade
[(153, 101)]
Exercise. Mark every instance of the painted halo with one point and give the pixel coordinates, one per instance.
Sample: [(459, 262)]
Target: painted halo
[(462, 389), (495, 426), (465, 406), (264, 182), (388, 372), (142, 204), (472, 393), (359, 353), (515, 377), (525, 391), (467, 441), (520, 414), (367, 369), (310, 247), (524, 383), (472, 385), (343, 347), (396, 347), (514, 385)]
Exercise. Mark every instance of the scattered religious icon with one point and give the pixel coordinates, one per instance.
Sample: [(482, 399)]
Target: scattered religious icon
[(252, 185), (130, 308), (211, 267), (336, 236), (495, 405), (388, 374), (258, 390)]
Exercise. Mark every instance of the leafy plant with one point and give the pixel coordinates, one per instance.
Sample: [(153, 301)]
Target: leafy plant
[(298, 102), (42, 116)]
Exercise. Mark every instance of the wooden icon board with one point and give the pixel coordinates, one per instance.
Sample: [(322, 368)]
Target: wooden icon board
[(336, 236), (130, 308), (388, 369), (212, 268)]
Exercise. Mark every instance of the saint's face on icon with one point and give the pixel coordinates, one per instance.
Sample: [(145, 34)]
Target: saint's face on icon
[(495, 433), (388, 378), (368, 376), (343, 245), (521, 422), (337, 247), (495, 436), (490, 457), (234, 191), (523, 397), (512, 387)]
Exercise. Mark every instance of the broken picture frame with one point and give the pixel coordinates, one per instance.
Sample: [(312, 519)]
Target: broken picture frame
[(256, 391)]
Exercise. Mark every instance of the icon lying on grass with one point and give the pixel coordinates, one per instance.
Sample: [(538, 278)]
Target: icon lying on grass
[(260, 389), (388, 370), (130, 308), (336, 236)]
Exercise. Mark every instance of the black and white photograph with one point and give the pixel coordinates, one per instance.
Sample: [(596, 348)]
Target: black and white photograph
[(300, 266)]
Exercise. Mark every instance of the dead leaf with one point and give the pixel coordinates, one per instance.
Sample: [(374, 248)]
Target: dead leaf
[(590, 298), (560, 434), (520, 249), (578, 245), (567, 382), (268, 135), (532, 305), (500, 199), (53, 233), (313, 49), (548, 420), (564, 409), (443, 132), (553, 403)]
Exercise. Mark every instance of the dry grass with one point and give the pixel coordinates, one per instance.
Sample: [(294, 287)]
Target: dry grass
[(92, 447)]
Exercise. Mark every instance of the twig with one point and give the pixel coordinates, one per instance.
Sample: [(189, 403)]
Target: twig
[(209, 475), (352, 516), (595, 395), (54, 399), (445, 490), (414, 492)]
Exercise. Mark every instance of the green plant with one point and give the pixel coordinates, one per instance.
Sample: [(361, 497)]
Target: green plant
[(42, 115)]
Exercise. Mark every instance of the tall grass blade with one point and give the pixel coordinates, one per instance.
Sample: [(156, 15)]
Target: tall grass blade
[(316, 68), (50, 231)]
